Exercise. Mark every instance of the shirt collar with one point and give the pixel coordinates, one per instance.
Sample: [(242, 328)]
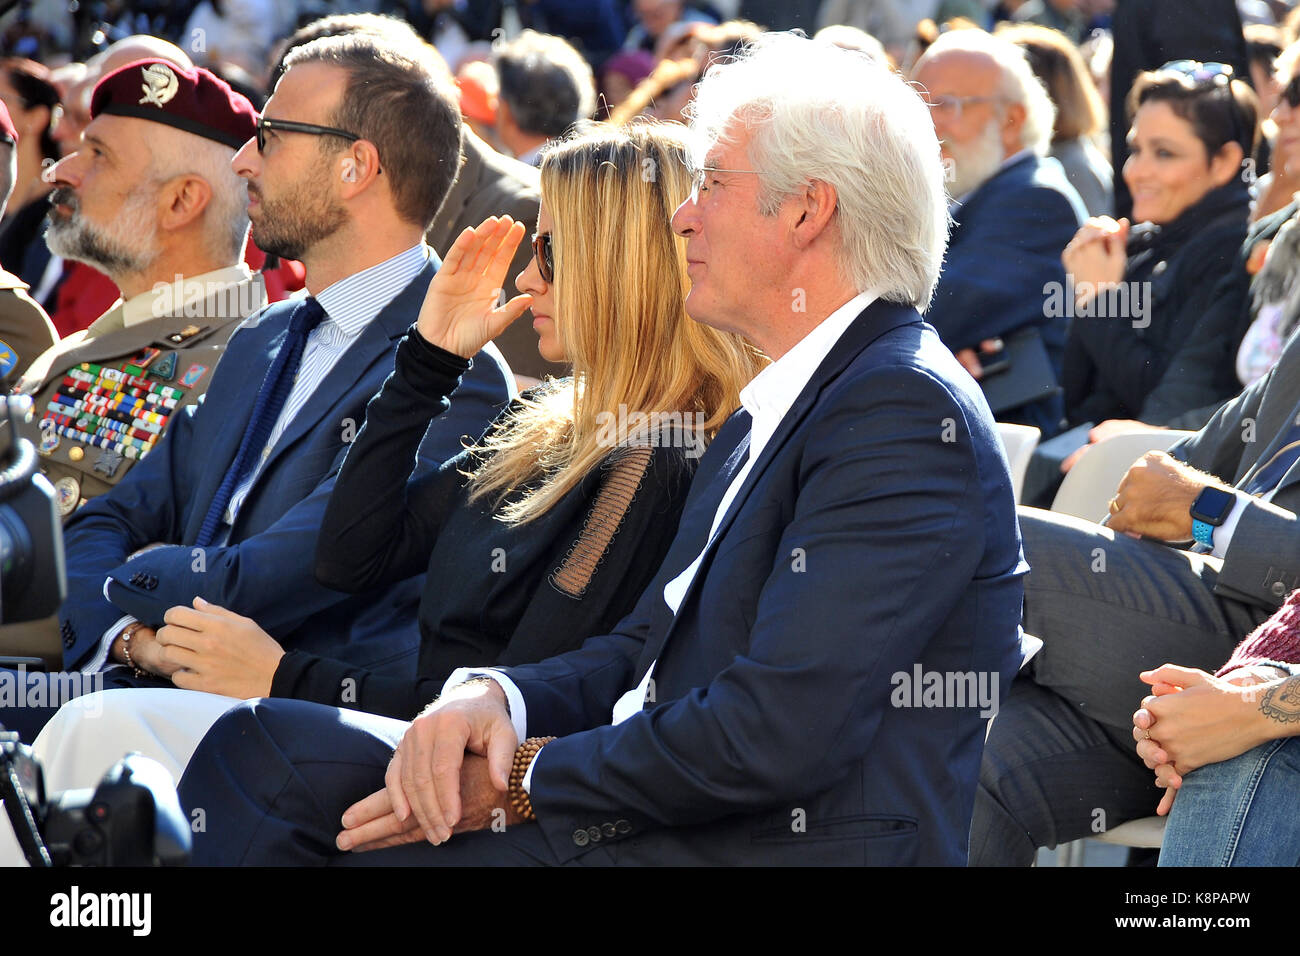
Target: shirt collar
[(353, 301), (772, 391), (171, 298)]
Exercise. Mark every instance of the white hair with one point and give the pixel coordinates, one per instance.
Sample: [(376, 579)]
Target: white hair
[(816, 111), (1019, 83), (178, 153)]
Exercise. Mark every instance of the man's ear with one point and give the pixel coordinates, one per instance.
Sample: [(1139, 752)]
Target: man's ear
[(814, 206), (181, 201), (357, 167), (1013, 127)]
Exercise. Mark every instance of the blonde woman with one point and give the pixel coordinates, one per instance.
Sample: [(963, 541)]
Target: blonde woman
[(543, 533)]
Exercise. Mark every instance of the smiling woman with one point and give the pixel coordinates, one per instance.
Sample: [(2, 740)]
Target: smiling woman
[(1194, 130)]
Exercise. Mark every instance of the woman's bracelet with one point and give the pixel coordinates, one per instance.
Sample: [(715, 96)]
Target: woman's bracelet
[(525, 753)]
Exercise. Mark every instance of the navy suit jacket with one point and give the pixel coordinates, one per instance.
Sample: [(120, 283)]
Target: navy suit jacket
[(875, 533), (1006, 244), (265, 571)]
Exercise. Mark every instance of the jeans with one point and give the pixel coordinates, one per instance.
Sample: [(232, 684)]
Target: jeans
[(1240, 812)]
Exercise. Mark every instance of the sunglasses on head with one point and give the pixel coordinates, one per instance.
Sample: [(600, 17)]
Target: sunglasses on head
[(1215, 74), (545, 256)]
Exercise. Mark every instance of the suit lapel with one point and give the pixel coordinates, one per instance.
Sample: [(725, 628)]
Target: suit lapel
[(373, 345), (874, 321)]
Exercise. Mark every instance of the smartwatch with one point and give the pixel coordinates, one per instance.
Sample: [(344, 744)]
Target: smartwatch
[(1210, 509)]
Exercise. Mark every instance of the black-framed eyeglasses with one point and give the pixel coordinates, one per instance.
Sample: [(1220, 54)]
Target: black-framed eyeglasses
[(288, 126), (544, 253)]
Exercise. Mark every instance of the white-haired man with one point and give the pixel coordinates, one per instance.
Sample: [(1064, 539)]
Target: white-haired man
[(1013, 211), (849, 531)]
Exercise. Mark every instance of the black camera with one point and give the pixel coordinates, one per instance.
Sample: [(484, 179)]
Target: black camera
[(133, 818), (32, 581)]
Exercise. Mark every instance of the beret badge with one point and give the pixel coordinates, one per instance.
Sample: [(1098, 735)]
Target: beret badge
[(159, 86)]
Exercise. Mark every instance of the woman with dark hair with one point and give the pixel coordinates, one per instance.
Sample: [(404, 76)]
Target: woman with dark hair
[(29, 94), (1080, 115), (1139, 292)]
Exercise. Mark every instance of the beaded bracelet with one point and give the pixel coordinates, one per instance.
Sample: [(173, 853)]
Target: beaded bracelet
[(524, 756), (128, 632)]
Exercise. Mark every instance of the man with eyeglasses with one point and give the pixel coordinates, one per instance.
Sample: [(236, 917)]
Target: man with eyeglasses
[(355, 152), (1014, 211)]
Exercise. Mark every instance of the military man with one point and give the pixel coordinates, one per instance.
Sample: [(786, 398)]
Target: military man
[(25, 329), (149, 198)]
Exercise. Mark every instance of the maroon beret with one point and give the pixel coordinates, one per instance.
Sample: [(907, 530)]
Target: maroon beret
[(194, 100), (7, 124)]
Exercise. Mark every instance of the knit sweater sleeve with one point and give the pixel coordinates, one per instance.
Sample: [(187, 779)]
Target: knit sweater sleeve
[(1275, 642)]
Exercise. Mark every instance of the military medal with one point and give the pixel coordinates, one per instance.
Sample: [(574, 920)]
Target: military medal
[(68, 491)]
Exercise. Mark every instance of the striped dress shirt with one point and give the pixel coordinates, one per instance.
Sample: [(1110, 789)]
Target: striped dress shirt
[(350, 305)]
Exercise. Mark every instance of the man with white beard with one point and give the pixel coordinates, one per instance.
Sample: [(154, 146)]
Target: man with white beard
[(1013, 209)]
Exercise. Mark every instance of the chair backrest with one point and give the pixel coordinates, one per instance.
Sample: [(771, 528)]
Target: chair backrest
[(1090, 484), (1019, 441)]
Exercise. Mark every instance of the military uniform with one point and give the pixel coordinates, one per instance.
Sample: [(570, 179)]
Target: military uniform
[(25, 330), (106, 396)]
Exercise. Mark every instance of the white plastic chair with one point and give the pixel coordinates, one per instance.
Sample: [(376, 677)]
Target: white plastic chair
[(1090, 484), (1019, 441)]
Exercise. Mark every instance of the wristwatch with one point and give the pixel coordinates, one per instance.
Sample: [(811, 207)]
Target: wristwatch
[(1210, 509)]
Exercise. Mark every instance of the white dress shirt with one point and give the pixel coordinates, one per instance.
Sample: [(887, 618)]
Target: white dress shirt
[(767, 399)]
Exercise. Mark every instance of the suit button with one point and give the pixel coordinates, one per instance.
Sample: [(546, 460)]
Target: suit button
[(580, 837), (608, 829), (594, 834), (622, 826), (1279, 588)]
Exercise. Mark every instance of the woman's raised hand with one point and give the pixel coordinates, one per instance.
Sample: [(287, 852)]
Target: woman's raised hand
[(460, 312)]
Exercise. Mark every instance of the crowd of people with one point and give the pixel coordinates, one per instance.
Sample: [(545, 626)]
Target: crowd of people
[(568, 432)]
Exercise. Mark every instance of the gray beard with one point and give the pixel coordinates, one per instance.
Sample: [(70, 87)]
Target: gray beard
[(74, 239)]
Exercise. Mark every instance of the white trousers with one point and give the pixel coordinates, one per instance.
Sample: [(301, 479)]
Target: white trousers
[(91, 733)]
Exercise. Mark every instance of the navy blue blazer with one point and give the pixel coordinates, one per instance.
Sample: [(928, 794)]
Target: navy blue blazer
[(876, 533), (266, 570), (1006, 244)]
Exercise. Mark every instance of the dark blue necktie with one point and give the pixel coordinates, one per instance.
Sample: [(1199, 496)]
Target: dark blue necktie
[(266, 411), (1270, 473)]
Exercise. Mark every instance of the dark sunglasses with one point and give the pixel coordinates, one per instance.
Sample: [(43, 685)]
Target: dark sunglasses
[(288, 126), (1291, 92), (545, 256)]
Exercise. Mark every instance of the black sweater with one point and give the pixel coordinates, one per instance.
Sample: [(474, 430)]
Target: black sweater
[(494, 594), (1112, 363)]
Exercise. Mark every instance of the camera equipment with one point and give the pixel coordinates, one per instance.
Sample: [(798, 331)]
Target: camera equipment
[(32, 583), (132, 818)]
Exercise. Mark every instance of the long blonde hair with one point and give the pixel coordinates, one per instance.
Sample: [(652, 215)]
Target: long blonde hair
[(620, 282)]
